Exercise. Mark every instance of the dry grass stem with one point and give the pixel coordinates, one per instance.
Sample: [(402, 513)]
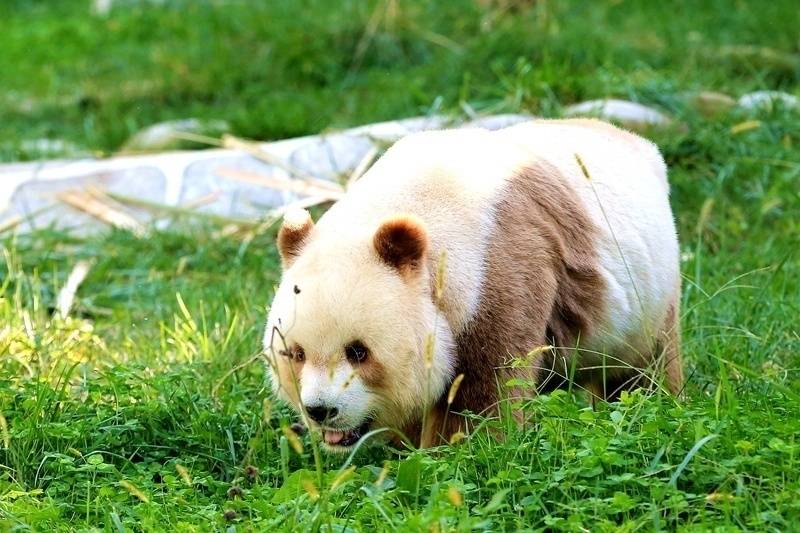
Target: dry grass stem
[(66, 295), (294, 440), (441, 272), (6, 434), (134, 491), (311, 489), (205, 199), (184, 473), (10, 223), (451, 395), (343, 476), (179, 210), (747, 125)]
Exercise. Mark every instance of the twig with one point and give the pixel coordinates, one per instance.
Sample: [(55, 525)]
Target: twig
[(229, 373)]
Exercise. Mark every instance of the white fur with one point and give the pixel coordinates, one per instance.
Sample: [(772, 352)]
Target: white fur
[(296, 218), (336, 387)]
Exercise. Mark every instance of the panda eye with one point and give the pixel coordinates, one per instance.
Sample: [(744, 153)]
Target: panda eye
[(295, 352), (299, 354), (356, 352)]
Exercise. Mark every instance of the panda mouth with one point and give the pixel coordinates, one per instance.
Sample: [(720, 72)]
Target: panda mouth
[(344, 438)]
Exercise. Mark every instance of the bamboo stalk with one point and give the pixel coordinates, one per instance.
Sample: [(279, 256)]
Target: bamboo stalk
[(299, 186), (205, 199), (100, 210), (177, 210), (14, 221), (252, 148), (274, 215), (362, 166)]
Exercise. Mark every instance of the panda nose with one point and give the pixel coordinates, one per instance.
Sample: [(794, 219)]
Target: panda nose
[(321, 413)]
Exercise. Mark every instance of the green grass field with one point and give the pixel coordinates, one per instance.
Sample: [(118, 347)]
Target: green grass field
[(146, 411)]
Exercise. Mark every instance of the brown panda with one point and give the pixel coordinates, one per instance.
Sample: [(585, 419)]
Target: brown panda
[(467, 252)]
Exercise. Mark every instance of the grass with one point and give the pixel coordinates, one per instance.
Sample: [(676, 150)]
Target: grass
[(140, 412), (284, 68)]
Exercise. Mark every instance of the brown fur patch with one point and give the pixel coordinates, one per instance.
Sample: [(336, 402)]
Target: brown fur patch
[(401, 243), (289, 371), (291, 238), (440, 426), (372, 372), (670, 337), (542, 286)]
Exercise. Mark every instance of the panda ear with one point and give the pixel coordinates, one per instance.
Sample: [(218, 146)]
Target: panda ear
[(401, 243), (292, 236)]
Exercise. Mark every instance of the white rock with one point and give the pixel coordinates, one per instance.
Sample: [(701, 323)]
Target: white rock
[(767, 99), (331, 157), (37, 201), (232, 197), (630, 114)]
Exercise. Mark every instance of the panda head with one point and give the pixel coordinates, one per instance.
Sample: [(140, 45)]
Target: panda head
[(353, 337)]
